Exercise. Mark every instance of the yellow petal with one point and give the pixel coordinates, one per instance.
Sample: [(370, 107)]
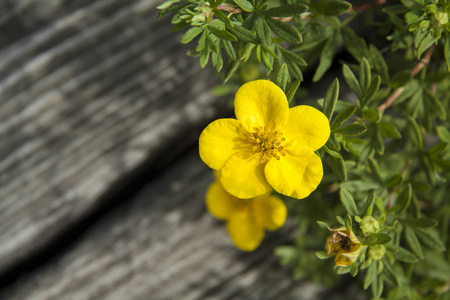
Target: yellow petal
[(261, 103), (307, 126), (220, 140), (295, 176), (220, 203), (243, 175), (245, 231), (270, 211)]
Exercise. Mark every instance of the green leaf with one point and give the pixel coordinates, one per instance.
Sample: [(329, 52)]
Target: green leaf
[(166, 4), (323, 255), (231, 68), (244, 5), (371, 114), (263, 32), (390, 273), (343, 116), (401, 78), (292, 89), (377, 60), (436, 105), (338, 166), (426, 43), (289, 55), (378, 142), (370, 201), (351, 80), (405, 256), (222, 34), (372, 89), (370, 275), (415, 133), (323, 225), (394, 180), (375, 169), (229, 49), (447, 52), (389, 130), (430, 238), (444, 134), (204, 56), (191, 34), (285, 31), (404, 198), (286, 11), (217, 61), (354, 44), (378, 238), (243, 34), (164, 11), (329, 7), (327, 56), (281, 77), (331, 98), (365, 76), (287, 254), (351, 130), (413, 243), (348, 202), (222, 17), (423, 222)]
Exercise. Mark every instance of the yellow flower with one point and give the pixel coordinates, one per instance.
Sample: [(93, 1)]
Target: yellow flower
[(345, 244), (268, 145), (246, 218)]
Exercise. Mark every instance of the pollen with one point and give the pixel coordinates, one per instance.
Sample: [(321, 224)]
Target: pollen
[(268, 143)]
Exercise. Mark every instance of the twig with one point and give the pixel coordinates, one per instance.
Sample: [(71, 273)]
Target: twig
[(425, 61)]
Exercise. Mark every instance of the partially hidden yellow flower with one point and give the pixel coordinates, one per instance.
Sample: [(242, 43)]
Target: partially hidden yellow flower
[(246, 218), (268, 145), (345, 244)]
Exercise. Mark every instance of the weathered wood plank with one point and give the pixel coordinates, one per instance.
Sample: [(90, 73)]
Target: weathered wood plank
[(84, 100), (162, 244)]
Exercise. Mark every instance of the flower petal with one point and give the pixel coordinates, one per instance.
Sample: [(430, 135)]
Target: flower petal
[(261, 103), (220, 203), (220, 140), (270, 211), (245, 231), (295, 176), (243, 175), (307, 126)]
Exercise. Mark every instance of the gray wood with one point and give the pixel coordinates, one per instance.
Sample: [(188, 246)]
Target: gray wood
[(84, 100), (164, 245)]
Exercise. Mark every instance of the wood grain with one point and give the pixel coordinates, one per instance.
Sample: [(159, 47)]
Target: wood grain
[(84, 100)]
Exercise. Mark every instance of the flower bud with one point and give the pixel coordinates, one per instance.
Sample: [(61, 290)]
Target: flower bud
[(345, 244), (369, 225), (376, 252)]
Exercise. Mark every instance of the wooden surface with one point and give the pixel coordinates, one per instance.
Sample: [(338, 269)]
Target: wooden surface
[(101, 186)]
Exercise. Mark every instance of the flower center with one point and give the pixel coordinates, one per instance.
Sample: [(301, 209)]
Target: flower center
[(268, 143)]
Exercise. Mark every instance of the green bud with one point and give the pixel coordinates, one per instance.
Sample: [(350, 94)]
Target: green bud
[(376, 252), (369, 224)]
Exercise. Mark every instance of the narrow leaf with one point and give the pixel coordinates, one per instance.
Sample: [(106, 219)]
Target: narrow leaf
[(429, 237), (281, 77), (222, 34), (413, 243), (329, 7), (404, 198), (444, 134), (292, 89), (389, 130), (351, 130), (351, 80), (370, 275), (263, 32), (285, 31), (331, 98), (191, 34), (243, 34), (222, 17), (286, 11), (245, 5), (343, 116), (405, 256), (348, 202)]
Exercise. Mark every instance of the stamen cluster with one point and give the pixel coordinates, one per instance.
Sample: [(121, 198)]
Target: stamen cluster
[(268, 143)]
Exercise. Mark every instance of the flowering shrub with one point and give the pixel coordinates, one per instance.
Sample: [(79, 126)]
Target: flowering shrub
[(377, 157)]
